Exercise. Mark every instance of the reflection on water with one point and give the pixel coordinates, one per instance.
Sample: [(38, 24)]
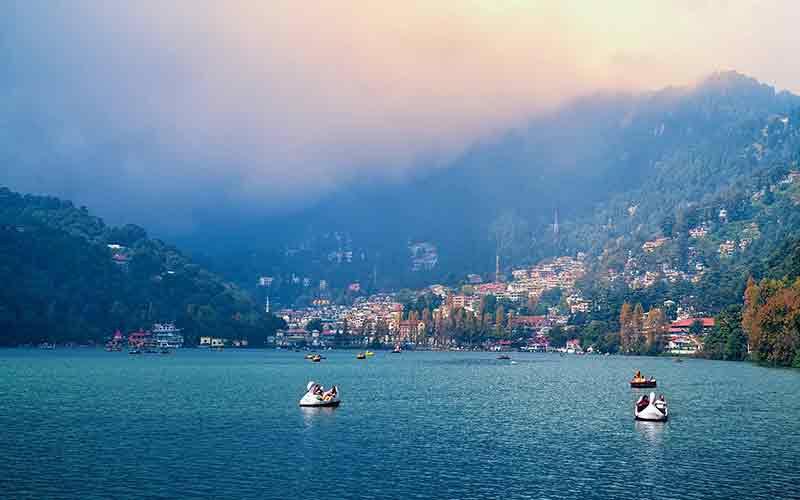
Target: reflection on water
[(311, 415), (653, 432)]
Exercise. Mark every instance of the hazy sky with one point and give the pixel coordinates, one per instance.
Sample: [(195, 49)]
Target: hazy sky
[(135, 107)]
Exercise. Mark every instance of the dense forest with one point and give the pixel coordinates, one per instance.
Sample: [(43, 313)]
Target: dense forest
[(68, 277)]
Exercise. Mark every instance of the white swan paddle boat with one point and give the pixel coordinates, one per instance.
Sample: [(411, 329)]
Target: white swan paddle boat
[(651, 409), (317, 396)]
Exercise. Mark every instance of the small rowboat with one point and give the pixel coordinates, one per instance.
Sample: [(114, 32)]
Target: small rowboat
[(638, 381)]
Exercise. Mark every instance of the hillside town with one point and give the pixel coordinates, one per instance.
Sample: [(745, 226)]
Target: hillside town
[(497, 315)]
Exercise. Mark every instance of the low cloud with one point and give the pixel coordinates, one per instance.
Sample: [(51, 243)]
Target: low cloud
[(140, 109)]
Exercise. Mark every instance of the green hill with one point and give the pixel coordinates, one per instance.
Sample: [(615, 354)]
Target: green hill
[(67, 276)]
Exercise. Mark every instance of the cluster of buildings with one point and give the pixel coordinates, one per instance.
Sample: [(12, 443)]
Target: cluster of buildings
[(375, 317), (562, 272), (160, 336)]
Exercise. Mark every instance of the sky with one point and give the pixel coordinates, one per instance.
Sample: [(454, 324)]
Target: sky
[(179, 108)]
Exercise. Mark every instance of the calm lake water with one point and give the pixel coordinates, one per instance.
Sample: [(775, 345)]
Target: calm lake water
[(86, 424)]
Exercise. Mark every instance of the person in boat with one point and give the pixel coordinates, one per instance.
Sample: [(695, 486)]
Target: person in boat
[(330, 394), (644, 402)]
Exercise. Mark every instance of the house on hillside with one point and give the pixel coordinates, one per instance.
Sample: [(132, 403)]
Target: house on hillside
[(573, 346), (684, 326), (683, 344)]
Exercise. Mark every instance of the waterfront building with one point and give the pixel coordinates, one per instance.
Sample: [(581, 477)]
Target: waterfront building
[(166, 335)]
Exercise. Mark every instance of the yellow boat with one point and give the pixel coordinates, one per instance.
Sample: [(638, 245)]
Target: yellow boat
[(369, 353)]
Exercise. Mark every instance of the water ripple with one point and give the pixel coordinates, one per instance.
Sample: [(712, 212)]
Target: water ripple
[(93, 425)]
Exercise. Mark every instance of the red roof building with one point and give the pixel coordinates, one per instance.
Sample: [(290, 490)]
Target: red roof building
[(685, 325)]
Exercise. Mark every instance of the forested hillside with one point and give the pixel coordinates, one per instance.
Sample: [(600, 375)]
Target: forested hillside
[(67, 276), (619, 169)]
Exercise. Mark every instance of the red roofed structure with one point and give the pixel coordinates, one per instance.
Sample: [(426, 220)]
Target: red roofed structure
[(684, 325)]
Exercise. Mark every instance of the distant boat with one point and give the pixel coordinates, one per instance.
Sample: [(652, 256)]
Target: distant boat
[(47, 345), (316, 358), (361, 355), (369, 354), (135, 351), (397, 349), (504, 357), (640, 381)]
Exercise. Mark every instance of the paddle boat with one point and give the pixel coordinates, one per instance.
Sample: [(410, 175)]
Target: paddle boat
[(504, 356), (397, 349), (651, 409), (361, 355), (317, 396), (369, 354), (640, 381), (316, 358)]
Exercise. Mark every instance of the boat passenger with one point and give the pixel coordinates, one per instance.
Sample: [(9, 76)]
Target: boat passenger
[(661, 404)]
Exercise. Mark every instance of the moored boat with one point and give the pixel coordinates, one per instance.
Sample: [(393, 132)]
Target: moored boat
[(361, 355), (317, 396), (651, 409)]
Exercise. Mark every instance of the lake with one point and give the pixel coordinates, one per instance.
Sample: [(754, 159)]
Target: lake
[(87, 424)]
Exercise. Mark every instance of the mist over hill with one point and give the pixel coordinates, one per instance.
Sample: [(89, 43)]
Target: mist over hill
[(678, 195), (590, 161)]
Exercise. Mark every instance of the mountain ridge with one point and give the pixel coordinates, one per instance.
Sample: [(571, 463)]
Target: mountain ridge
[(593, 151)]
